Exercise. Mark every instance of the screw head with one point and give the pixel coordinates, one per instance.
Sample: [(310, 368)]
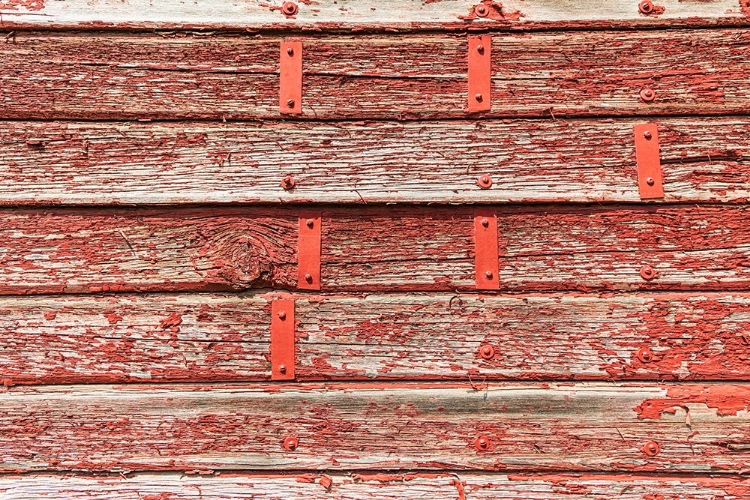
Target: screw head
[(480, 48), (484, 181), (308, 278), (485, 222), (487, 351), (288, 182), (645, 355), (290, 51), (282, 315), (650, 181), (647, 95), (290, 103), (647, 134), (290, 443), (282, 368), (651, 448), (647, 273), (488, 275), (482, 443), (646, 7), (479, 97), (482, 10), (289, 8), (310, 223)]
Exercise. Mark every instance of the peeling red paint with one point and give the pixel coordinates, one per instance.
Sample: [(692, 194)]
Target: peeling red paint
[(29, 5), (725, 399)]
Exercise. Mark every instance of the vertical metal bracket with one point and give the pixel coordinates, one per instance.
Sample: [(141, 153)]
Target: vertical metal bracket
[(648, 161), (282, 339), (486, 257), (290, 78), (308, 251), (480, 73)]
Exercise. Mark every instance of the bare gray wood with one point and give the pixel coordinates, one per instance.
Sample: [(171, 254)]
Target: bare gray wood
[(213, 77), (703, 160), (581, 427), (385, 14)]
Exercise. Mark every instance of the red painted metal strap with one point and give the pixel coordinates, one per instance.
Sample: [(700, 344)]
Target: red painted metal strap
[(480, 72), (486, 249), (282, 339), (290, 78), (648, 161), (308, 258)]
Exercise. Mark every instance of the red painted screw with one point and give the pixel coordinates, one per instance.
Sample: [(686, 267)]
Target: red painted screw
[(487, 351), (485, 222), (282, 315), (479, 97), (646, 7), (290, 103), (645, 355), (482, 10), (647, 273), (650, 181), (290, 443), (308, 277), (488, 275), (647, 135), (647, 95), (282, 368), (289, 8), (310, 223), (482, 443), (290, 51), (651, 448), (288, 182), (485, 182), (480, 49)]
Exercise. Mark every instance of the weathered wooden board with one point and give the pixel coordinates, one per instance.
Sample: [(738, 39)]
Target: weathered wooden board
[(543, 248), (548, 75), (225, 338), (344, 162), (385, 14), (393, 486), (526, 427)]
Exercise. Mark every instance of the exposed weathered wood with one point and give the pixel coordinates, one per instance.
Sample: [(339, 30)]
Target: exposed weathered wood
[(203, 338), (529, 161), (373, 249), (527, 427), (385, 14), (549, 75), (394, 486)]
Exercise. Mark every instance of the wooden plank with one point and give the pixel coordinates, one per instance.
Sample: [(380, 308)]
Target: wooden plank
[(225, 338), (542, 248), (415, 162), (387, 14), (394, 486), (547, 75), (603, 427)]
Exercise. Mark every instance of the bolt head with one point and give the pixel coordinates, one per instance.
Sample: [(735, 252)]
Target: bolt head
[(487, 351), (485, 222), (282, 368), (482, 443), (288, 182), (488, 275), (479, 97), (310, 223), (646, 7), (484, 181), (647, 134), (650, 181), (647, 95), (290, 443), (651, 448), (282, 315), (289, 8), (480, 48), (481, 10), (647, 273), (290, 103), (308, 278), (645, 355), (290, 51)]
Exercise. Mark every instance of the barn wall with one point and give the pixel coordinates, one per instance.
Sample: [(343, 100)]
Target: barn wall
[(158, 211)]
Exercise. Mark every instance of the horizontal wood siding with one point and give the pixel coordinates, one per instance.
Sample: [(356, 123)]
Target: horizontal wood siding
[(205, 338), (547, 248), (539, 75), (389, 15), (531, 427), (373, 485), (703, 160)]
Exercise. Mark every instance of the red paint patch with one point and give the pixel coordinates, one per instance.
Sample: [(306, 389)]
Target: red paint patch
[(23, 4), (726, 399), (50, 315), (745, 7), (171, 321)]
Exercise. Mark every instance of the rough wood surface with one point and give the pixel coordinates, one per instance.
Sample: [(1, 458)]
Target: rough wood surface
[(382, 15), (526, 427), (391, 486), (439, 162), (225, 338), (542, 248), (547, 75)]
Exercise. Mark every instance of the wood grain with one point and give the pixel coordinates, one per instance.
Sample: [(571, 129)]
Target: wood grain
[(703, 160), (394, 486), (212, 77), (389, 15), (225, 338), (542, 248), (527, 427)]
